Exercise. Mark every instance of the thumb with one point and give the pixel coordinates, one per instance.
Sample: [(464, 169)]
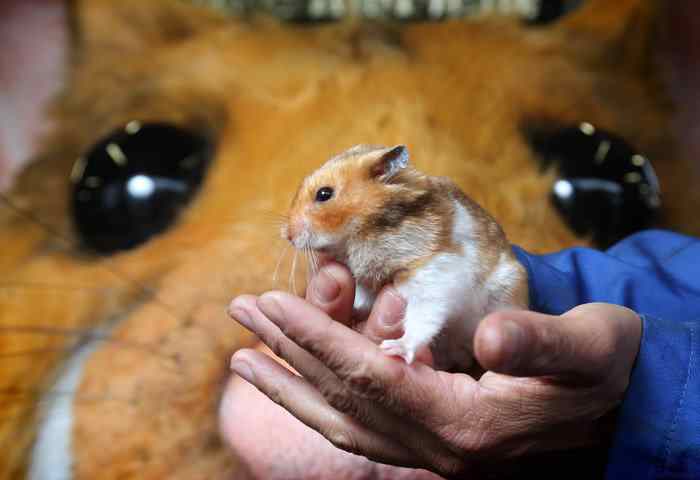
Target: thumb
[(589, 342)]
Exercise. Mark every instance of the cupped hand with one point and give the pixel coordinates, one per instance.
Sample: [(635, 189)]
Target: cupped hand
[(550, 384)]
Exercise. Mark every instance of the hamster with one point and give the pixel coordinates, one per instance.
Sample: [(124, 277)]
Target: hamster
[(369, 209)]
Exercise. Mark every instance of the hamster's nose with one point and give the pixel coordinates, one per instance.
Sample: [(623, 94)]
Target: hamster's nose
[(295, 227)]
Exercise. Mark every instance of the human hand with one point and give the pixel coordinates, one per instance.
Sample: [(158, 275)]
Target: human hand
[(552, 380)]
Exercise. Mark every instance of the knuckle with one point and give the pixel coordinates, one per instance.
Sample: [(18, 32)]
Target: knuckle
[(474, 443), (322, 351), (556, 346), (341, 438), (276, 344), (274, 394), (364, 383), (340, 399)]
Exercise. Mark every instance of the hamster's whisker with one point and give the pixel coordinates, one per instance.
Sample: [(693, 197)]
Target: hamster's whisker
[(275, 276), (292, 274), (314, 261), (310, 258), (309, 264), (273, 219), (306, 264)]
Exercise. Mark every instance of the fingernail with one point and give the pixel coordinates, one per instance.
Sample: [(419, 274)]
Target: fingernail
[(243, 370), (271, 308), (391, 309), (326, 287)]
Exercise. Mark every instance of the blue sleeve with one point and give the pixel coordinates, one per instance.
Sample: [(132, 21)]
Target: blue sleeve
[(657, 274)]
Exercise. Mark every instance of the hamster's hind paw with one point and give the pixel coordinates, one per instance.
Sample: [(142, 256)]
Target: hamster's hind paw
[(398, 348)]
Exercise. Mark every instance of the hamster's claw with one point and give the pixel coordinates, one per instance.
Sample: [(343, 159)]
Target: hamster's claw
[(398, 348)]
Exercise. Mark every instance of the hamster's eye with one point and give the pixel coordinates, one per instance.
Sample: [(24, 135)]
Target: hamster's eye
[(324, 194), (132, 184)]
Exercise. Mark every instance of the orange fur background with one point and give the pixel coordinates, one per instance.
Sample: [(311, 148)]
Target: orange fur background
[(278, 101)]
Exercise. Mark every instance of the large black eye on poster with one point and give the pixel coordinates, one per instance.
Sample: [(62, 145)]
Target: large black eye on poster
[(132, 184), (606, 188)]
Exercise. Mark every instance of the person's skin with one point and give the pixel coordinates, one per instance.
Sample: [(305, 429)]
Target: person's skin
[(551, 381)]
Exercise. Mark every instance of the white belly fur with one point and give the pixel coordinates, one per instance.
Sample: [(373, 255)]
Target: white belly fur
[(446, 302)]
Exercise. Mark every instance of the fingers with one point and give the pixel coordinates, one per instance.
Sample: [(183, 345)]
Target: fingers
[(244, 310), (413, 405), (584, 343), (332, 290), (320, 335), (385, 320), (345, 375), (303, 401), (367, 373)]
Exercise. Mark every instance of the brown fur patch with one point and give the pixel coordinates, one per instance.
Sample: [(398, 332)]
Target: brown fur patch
[(400, 208)]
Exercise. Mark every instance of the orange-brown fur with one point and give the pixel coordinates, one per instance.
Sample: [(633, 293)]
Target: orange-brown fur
[(489, 237), (370, 206), (363, 197), (277, 99)]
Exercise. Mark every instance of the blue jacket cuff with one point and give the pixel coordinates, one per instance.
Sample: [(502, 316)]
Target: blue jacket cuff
[(658, 430)]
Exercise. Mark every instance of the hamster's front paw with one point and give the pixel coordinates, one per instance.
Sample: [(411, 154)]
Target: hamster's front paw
[(399, 348)]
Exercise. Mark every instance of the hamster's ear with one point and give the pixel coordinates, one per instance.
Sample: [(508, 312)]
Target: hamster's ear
[(389, 162)]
